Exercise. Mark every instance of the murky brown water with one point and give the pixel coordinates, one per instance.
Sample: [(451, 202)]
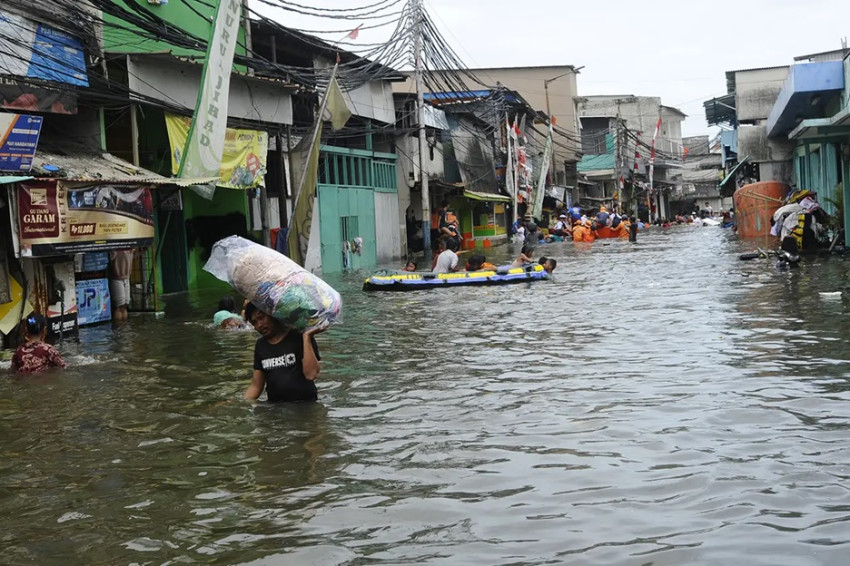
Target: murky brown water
[(661, 404)]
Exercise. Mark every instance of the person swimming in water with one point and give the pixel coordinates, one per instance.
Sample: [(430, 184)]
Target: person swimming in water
[(226, 316)]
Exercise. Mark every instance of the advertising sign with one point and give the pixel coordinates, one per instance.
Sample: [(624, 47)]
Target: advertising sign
[(93, 304), (19, 97), (18, 141), (94, 261), (243, 164), (55, 219), (38, 51)]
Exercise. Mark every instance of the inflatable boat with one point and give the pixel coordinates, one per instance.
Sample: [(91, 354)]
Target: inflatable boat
[(412, 280)]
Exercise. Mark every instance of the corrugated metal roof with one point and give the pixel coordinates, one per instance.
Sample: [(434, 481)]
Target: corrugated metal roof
[(83, 166)]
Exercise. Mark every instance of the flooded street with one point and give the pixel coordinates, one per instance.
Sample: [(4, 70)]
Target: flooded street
[(659, 403)]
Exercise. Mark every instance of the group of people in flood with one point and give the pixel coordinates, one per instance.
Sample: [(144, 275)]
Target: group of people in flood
[(577, 225)]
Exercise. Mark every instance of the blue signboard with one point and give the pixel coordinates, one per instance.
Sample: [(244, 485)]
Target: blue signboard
[(93, 304), (19, 141), (95, 261), (57, 56)]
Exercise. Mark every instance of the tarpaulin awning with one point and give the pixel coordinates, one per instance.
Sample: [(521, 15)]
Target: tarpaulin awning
[(475, 195), (6, 179), (734, 170)]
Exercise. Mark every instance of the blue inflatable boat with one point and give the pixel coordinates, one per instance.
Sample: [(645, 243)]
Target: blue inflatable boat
[(413, 280)]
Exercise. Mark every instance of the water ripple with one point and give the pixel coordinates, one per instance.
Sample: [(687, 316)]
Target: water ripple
[(658, 403)]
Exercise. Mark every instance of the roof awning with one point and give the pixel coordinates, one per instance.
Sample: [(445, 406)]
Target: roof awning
[(823, 128), (475, 195), (6, 179), (88, 166), (734, 170)]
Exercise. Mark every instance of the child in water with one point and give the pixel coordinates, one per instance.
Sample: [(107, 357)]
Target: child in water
[(226, 316), (35, 355)]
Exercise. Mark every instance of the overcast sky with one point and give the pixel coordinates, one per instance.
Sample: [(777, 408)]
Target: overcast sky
[(678, 50)]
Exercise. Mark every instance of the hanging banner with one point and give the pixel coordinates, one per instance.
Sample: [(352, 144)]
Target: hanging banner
[(54, 219), (205, 143), (243, 162), (18, 141), (305, 156), (537, 208)]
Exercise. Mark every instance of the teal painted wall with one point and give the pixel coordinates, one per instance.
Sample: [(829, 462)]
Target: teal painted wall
[(818, 167)]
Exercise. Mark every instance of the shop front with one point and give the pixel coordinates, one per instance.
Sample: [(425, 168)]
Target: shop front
[(64, 233), (64, 221)]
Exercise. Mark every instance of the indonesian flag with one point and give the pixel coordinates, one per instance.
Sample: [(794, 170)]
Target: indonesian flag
[(655, 135), (355, 32)]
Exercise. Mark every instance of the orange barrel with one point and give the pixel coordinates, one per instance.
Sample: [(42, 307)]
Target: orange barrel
[(754, 207)]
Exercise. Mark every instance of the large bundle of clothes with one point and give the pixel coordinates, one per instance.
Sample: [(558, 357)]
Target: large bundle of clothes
[(275, 284), (801, 223)]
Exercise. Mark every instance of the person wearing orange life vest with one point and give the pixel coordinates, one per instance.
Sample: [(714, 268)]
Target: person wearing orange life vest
[(582, 232)]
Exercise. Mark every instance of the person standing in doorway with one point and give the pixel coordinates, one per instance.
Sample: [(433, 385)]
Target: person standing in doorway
[(120, 266)]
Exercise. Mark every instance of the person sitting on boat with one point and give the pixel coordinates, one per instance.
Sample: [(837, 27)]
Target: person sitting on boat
[(602, 217), (562, 227), (549, 264), (409, 266), (447, 261), (575, 213), (478, 262), (615, 220), (524, 257)]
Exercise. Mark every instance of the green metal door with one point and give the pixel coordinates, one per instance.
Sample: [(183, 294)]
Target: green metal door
[(346, 213)]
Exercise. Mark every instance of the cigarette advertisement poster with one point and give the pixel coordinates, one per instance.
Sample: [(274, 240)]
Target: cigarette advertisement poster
[(59, 219)]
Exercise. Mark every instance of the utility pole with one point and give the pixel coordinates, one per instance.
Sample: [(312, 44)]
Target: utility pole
[(423, 141)]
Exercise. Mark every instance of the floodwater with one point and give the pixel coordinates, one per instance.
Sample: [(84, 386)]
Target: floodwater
[(662, 403)]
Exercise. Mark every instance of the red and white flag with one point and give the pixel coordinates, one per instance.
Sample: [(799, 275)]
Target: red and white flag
[(355, 32), (655, 135)]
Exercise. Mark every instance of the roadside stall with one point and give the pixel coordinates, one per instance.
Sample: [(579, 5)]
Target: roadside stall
[(76, 208)]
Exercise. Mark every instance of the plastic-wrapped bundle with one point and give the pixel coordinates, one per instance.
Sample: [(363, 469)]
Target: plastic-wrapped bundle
[(275, 284)]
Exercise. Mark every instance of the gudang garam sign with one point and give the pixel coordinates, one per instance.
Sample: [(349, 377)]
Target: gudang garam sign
[(59, 219)]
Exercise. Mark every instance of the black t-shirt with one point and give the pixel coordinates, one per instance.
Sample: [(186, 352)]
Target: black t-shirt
[(282, 365)]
